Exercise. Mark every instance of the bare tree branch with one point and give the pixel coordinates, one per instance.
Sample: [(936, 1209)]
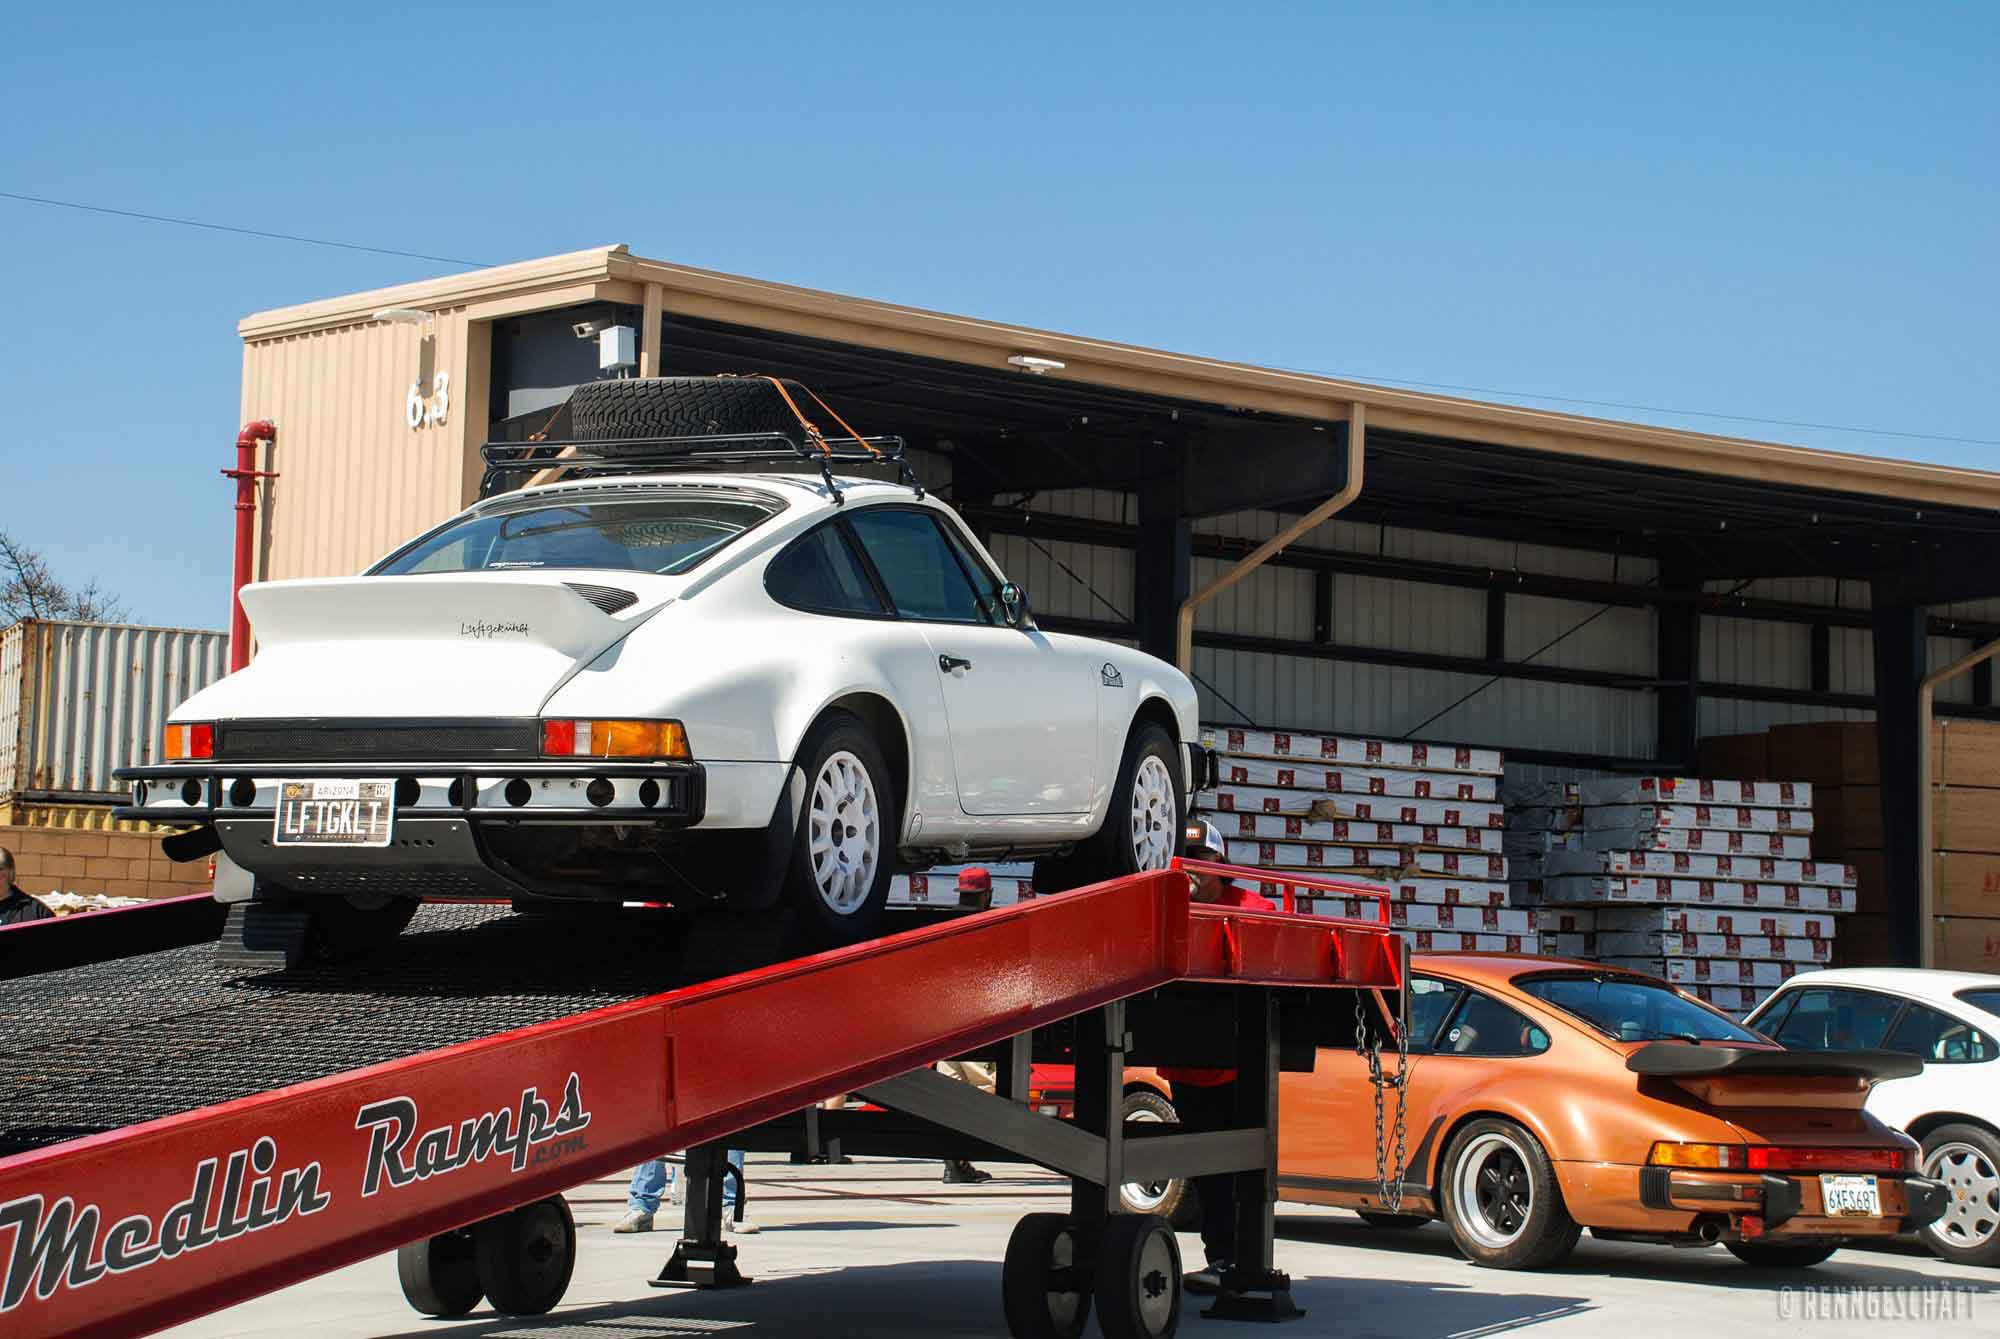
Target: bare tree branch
[(28, 589)]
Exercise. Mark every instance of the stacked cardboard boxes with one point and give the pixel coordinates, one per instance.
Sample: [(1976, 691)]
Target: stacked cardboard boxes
[(938, 887), (1708, 883), (1423, 822), (1842, 761)]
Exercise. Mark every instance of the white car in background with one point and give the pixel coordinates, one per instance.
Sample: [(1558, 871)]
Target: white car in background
[(661, 682), (1950, 1021)]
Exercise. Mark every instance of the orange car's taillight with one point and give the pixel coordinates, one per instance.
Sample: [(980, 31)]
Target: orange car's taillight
[(1707, 1157), (1782, 1158)]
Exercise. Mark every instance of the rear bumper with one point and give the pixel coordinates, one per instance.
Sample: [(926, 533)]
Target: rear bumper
[(1785, 1205)]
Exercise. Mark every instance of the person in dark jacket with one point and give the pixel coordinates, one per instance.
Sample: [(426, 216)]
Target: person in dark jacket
[(16, 906)]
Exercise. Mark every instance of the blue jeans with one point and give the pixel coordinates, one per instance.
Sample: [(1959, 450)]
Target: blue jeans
[(650, 1181)]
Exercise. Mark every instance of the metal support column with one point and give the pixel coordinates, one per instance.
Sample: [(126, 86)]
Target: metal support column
[(1679, 651), (1901, 661), (1253, 1288), (1101, 1043), (1163, 570), (702, 1259)]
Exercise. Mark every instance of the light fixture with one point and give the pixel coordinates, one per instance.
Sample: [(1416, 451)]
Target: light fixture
[(1028, 362), (405, 316)]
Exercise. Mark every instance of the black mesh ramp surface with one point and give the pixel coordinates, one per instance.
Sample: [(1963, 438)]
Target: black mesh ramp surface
[(100, 1047)]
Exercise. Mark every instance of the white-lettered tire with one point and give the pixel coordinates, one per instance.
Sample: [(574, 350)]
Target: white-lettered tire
[(843, 852), (1501, 1200), (1142, 827)]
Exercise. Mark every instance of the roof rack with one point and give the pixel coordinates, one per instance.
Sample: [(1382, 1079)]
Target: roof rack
[(650, 455)]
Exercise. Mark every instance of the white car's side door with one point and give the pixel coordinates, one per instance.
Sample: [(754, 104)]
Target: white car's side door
[(1022, 707)]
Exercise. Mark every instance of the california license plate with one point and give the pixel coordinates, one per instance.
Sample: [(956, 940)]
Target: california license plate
[(335, 813), (1850, 1197)]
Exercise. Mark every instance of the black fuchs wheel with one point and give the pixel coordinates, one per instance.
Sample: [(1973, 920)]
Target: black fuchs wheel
[(1782, 1254), (686, 407), (843, 854), (440, 1275), (525, 1256), (1044, 1280), (1142, 828), (344, 928), (1138, 1278), (1501, 1200)]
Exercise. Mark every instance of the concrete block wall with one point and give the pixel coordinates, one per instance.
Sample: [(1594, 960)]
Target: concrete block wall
[(120, 864)]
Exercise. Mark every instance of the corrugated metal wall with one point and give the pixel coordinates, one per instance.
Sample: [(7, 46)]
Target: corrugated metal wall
[(78, 700), (355, 479)]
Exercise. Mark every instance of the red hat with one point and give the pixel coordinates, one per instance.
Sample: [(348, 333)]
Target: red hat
[(975, 879)]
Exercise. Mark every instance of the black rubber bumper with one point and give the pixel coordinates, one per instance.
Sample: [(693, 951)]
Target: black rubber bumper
[(1927, 1202)]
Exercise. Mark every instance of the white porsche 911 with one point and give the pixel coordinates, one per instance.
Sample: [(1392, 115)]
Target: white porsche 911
[(649, 683)]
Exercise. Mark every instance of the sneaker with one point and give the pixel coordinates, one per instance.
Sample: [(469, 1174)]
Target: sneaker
[(744, 1227), (676, 1192), (964, 1174), (1204, 1282), (637, 1220)]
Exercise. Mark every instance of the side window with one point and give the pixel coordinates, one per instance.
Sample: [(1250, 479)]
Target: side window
[(820, 572), (1484, 1026), (984, 582), (1430, 1000), (1838, 1020), (1939, 1039), (925, 578)]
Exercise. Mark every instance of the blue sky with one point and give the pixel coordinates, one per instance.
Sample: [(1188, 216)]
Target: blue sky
[(1782, 214)]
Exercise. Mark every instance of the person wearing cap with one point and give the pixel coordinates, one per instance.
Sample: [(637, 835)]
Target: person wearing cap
[(1205, 1099), (16, 907)]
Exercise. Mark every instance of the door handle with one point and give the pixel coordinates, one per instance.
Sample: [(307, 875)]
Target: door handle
[(950, 663)]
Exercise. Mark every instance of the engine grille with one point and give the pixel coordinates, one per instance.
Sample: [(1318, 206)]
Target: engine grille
[(377, 741), (608, 598)]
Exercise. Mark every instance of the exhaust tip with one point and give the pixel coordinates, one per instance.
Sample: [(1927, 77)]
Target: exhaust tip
[(1709, 1228), (600, 792), (519, 792)]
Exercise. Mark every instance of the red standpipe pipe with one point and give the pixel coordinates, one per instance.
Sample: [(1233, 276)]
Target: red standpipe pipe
[(246, 474)]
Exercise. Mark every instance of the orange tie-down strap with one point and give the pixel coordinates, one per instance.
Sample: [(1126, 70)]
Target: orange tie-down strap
[(813, 434)]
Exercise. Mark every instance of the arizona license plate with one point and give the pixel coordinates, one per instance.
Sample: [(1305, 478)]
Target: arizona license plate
[(1850, 1197), (335, 813)]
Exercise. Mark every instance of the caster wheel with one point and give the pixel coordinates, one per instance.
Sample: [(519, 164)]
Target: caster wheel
[(1044, 1284), (1138, 1278), (440, 1275), (525, 1257)]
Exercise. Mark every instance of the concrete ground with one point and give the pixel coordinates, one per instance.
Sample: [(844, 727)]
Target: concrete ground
[(882, 1249)]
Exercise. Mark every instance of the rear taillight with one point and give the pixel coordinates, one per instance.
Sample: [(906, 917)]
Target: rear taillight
[(1706, 1157), (614, 739), (189, 743), (1781, 1158)]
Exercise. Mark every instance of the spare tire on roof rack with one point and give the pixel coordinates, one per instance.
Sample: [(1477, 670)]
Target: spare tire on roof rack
[(610, 411)]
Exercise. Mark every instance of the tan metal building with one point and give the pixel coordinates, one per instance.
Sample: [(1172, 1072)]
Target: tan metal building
[(1587, 594)]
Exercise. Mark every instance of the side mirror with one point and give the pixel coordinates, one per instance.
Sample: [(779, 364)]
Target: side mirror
[(1015, 600)]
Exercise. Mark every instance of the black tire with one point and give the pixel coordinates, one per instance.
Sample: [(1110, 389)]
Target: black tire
[(1111, 852), (525, 1257), (440, 1275), (1138, 1278), (1966, 1158), (1044, 1281), (1500, 1198), (1171, 1200), (1783, 1254), (684, 407), (1392, 1222), (838, 915), (342, 929)]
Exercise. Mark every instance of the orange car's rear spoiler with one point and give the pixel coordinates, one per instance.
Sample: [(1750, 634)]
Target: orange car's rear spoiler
[(1685, 1060)]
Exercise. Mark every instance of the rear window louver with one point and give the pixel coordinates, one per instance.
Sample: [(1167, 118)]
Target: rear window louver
[(608, 598)]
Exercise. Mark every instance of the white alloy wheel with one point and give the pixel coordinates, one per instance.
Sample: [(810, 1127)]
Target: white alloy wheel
[(1972, 1212), (1155, 820), (1495, 1191), (844, 833)]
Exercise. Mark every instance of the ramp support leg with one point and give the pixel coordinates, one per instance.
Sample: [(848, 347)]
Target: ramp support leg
[(1254, 1289), (702, 1259)]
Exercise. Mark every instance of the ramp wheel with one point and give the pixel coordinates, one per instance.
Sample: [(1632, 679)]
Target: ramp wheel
[(1138, 1278), (525, 1256), (1044, 1283), (440, 1276)]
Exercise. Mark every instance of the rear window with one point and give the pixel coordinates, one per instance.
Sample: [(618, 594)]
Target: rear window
[(659, 535), (1982, 997), (1632, 1009)]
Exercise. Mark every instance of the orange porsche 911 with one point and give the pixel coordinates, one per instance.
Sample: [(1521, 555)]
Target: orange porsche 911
[(1547, 1096)]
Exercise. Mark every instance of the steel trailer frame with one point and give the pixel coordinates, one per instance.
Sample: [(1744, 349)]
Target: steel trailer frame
[(128, 1231)]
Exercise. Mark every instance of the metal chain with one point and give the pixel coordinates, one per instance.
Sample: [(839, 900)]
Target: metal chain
[(1390, 1187)]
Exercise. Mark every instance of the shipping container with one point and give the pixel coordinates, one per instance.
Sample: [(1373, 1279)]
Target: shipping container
[(79, 700)]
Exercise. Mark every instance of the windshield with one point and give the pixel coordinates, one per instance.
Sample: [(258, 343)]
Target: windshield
[(1982, 997), (662, 535), (1630, 1009)]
